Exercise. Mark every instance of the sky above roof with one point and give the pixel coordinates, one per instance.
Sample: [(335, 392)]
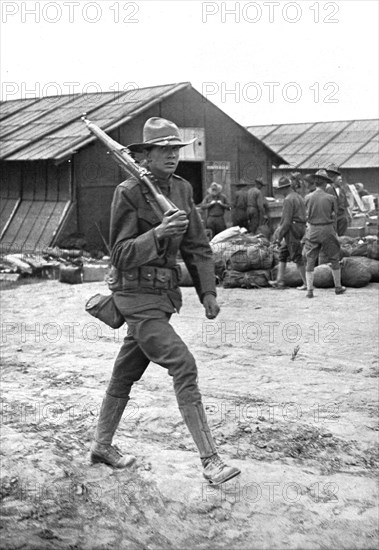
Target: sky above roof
[(263, 62)]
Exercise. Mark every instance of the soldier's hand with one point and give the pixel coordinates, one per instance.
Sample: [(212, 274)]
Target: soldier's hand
[(172, 226), (211, 306)]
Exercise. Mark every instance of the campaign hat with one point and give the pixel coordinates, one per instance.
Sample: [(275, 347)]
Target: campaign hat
[(260, 180), (284, 181), (321, 175), (333, 170), (159, 132)]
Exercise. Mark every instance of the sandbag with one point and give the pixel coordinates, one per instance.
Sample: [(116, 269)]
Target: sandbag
[(373, 251), (360, 250), (372, 266), (354, 273), (323, 276), (253, 257), (257, 278), (292, 277)]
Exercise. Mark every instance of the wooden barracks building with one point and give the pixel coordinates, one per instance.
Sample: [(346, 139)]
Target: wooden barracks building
[(56, 178)]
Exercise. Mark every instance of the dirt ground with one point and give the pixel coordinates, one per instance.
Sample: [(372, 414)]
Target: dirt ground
[(291, 389)]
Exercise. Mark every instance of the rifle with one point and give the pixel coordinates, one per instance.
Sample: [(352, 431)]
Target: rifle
[(124, 159)]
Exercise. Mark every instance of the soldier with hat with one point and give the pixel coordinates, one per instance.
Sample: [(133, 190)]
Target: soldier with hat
[(321, 234), (239, 208), (255, 206), (215, 203), (336, 189), (145, 289), (291, 229)]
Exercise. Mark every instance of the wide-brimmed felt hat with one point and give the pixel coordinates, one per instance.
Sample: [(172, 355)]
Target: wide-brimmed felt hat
[(260, 180), (159, 132), (215, 185), (333, 169), (321, 175), (284, 181)]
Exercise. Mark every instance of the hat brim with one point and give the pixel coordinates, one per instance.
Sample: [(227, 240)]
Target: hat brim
[(334, 172), (323, 178), (140, 147), (260, 182), (284, 186)]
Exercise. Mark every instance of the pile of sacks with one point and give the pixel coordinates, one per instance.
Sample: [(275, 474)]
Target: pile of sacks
[(359, 265), (242, 260), (246, 261)]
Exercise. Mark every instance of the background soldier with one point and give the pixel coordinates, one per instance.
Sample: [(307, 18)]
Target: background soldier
[(146, 292), (336, 189), (239, 210), (215, 203), (321, 234), (255, 206), (291, 229)]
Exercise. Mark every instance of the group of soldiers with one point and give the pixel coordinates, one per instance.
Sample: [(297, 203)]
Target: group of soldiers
[(249, 209), (310, 226)]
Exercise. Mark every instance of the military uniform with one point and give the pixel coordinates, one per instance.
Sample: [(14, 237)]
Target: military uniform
[(147, 292), (215, 213), (239, 212), (292, 228), (255, 209), (321, 234), (342, 220)]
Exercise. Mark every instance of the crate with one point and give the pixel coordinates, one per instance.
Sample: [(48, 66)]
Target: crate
[(356, 231), (94, 273)]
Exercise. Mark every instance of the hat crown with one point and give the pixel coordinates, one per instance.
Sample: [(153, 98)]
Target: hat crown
[(157, 129), (333, 169), (284, 181)]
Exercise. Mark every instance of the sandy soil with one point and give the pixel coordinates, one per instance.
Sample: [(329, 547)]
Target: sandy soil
[(301, 426)]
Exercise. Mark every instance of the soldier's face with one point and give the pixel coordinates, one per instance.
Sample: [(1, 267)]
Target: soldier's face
[(163, 161)]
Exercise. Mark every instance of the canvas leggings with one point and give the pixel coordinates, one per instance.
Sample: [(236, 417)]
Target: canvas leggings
[(150, 337)]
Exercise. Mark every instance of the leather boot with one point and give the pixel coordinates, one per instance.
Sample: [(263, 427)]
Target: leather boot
[(301, 270), (310, 277), (102, 450), (339, 289), (215, 470), (279, 283)]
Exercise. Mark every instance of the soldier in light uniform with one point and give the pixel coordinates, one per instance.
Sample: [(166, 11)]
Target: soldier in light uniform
[(215, 204), (239, 210), (291, 229), (321, 235), (336, 189), (144, 253), (255, 206)]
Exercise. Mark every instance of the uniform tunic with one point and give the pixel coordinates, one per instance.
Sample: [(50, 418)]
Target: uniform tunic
[(239, 212), (146, 284), (342, 220), (215, 213), (292, 228), (321, 234), (255, 209)]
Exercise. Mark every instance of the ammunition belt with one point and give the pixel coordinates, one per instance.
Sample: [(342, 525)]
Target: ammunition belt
[(146, 277)]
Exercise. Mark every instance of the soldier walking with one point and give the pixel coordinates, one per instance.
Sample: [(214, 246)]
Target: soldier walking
[(144, 252)]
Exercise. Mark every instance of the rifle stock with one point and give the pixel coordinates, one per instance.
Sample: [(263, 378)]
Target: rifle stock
[(124, 159)]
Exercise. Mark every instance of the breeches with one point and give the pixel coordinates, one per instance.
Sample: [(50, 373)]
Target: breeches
[(323, 239), (292, 249), (216, 224), (150, 337)]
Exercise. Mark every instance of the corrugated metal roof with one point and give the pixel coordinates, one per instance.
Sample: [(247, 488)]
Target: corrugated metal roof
[(49, 127), (349, 143)]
